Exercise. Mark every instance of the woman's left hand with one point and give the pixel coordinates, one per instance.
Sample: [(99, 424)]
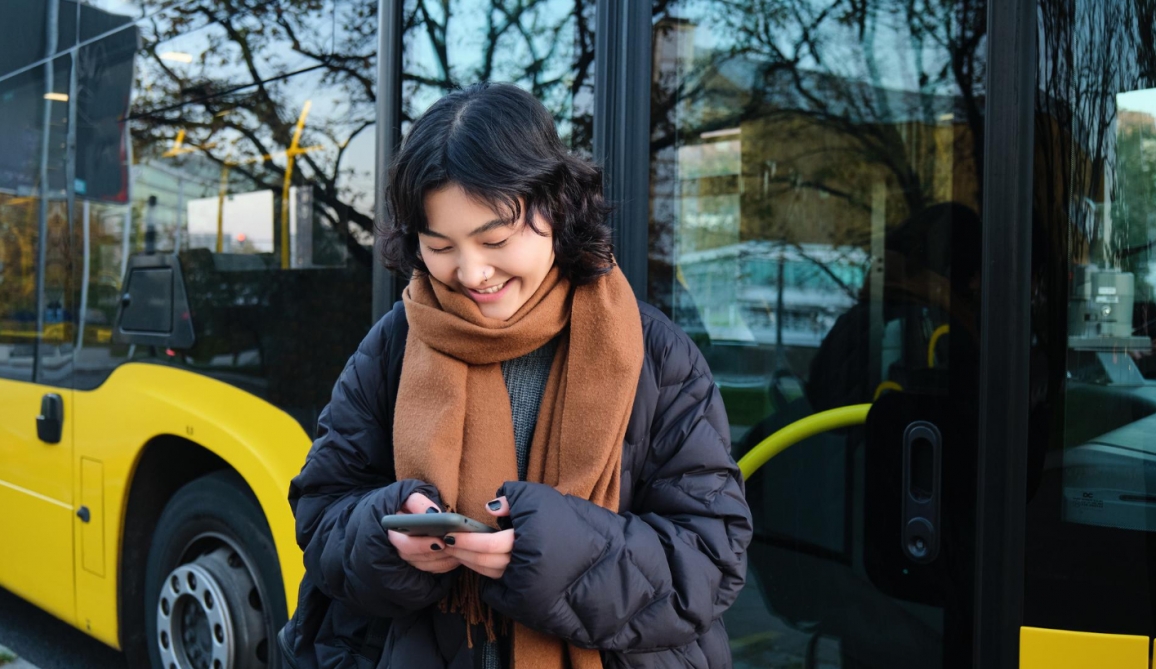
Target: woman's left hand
[(486, 553)]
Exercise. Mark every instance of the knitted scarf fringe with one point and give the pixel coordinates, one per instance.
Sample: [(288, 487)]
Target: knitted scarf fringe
[(466, 598)]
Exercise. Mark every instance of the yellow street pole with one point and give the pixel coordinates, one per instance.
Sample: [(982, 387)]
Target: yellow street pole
[(291, 156)]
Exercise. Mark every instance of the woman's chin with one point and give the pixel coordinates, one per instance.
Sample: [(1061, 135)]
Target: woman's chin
[(498, 312)]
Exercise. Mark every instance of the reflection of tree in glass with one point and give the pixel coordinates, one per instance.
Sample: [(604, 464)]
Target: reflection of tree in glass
[(240, 77), (844, 109), (1092, 197), (1089, 52), (544, 46), (1135, 193)]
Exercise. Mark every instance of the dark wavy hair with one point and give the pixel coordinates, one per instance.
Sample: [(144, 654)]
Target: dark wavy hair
[(499, 144)]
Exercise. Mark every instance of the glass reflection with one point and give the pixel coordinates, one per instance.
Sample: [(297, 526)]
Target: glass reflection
[(544, 46), (1093, 469), (239, 143), (109, 14), (35, 31), (35, 314), (815, 189)]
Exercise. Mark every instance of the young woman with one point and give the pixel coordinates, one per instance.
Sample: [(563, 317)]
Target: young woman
[(519, 383)]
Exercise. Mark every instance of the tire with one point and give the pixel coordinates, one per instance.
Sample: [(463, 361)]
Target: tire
[(212, 546)]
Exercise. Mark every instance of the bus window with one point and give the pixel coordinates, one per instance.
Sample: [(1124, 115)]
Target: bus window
[(255, 172), (815, 199), (1092, 484), (35, 308)]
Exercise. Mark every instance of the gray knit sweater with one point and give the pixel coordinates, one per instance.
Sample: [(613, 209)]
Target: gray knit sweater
[(525, 382)]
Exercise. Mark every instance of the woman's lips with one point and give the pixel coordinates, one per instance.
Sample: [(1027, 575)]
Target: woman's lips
[(484, 298)]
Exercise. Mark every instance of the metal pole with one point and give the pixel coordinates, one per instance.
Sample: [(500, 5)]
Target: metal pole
[(389, 17), (1005, 333), (127, 228), (70, 186), (42, 230), (780, 354), (180, 210), (150, 226), (83, 278), (622, 66)]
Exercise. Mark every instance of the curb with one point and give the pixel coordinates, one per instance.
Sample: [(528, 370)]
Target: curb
[(18, 663)]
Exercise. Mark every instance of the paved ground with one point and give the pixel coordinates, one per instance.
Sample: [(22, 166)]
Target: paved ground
[(758, 638), (7, 661), (45, 642)]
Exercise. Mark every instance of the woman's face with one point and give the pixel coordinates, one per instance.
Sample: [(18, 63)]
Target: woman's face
[(496, 263)]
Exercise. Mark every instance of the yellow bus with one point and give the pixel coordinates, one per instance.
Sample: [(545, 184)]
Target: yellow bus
[(913, 240)]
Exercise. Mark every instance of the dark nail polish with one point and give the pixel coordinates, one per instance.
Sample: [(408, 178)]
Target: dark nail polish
[(494, 505), (432, 509), (435, 547), (449, 540)]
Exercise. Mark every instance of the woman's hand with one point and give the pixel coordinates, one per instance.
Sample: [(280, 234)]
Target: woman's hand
[(424, 553), (486, 553)]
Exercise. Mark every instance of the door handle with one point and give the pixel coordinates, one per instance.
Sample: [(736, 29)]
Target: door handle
[(922, 465), (50, 422)]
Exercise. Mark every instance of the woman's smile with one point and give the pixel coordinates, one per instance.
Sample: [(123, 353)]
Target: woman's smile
[(491, 294)]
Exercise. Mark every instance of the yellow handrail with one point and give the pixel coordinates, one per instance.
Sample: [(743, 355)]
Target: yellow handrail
[(799, 430), (939, 332), (885, 386)]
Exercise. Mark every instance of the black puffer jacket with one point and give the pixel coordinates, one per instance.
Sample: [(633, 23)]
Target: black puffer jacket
[(647, 586)]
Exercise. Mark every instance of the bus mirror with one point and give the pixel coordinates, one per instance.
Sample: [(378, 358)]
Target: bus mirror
[(154, 308)]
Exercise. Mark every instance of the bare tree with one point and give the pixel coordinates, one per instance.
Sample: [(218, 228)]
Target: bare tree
[(547, 47), (238, 101)]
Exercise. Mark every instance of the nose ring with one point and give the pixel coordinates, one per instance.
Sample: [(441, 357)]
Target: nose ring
[(485, 277)]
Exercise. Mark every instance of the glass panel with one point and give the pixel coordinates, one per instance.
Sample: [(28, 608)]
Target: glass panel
[(96, 21), (815, 199), (33, 30), (544, 46), (34, 323), (99, 17), (1093, 475), (264, 193)]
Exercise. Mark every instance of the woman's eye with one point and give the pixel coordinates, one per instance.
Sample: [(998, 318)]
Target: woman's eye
[(441, 250), (497, 245)]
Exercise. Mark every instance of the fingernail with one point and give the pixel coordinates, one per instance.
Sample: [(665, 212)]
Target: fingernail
[(435, 547), (494, 505), (449, 540), (432, 509)]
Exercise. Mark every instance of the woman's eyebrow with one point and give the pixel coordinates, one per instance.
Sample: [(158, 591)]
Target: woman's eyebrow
[(492, 225)]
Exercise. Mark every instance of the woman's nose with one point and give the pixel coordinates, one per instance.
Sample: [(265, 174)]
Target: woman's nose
[(474, 273)]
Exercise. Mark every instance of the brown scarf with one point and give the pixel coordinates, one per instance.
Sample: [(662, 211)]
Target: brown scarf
[(453, 426)]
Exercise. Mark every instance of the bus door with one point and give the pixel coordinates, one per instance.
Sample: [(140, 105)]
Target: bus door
[(37, 505), (816, 227), (1090, 573)]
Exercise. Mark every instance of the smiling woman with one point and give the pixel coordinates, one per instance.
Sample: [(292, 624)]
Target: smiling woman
[(497, 262), (526, 387)]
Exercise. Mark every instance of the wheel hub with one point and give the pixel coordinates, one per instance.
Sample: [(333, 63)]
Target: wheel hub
[(208, 615)]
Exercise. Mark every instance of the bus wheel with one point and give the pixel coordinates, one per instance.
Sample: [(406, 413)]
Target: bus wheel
[(213, 593)]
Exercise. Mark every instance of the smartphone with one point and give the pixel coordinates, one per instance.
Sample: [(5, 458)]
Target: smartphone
[(432, 524)]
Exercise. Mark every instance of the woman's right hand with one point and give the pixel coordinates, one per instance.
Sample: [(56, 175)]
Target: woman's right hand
[(424, 553)]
